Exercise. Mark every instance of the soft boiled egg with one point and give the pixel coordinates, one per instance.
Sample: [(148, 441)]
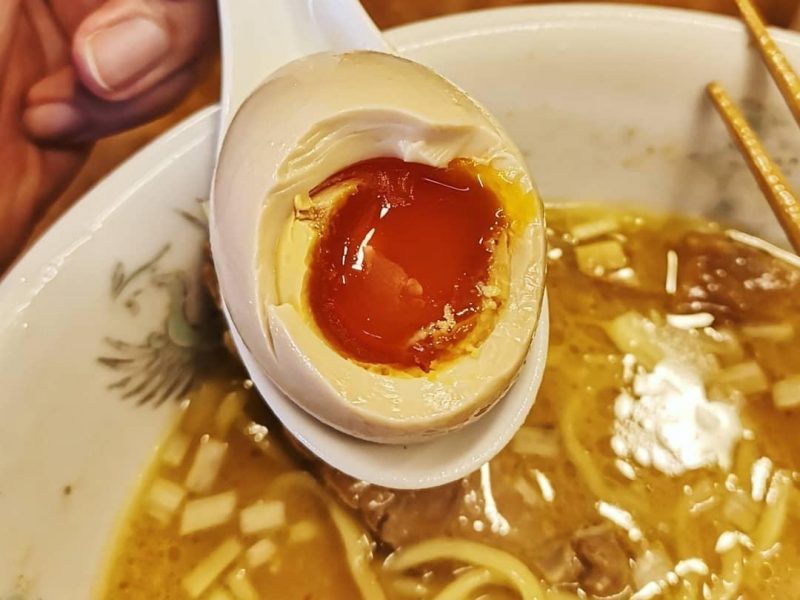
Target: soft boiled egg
[(379, 244)]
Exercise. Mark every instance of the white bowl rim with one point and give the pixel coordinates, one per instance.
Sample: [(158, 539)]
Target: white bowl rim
[(530, 17)]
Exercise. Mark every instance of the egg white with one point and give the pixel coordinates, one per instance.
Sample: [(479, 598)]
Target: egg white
[(308, 121)]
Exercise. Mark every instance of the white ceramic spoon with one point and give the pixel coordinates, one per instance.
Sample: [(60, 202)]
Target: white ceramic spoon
[(257, 38), (260, 36)]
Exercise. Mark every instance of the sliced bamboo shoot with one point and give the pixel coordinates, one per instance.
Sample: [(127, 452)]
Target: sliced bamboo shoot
[(163, 499), (598, 258), (786, 393), (241, 586), (260, 553), (262, 516), (205, 513), (175, 449), (206, 572), (205, 468)]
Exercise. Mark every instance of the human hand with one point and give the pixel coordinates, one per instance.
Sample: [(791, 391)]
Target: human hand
[(76, 70)]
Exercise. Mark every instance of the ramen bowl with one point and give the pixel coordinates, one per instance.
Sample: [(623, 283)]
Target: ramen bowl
[(101, 320)]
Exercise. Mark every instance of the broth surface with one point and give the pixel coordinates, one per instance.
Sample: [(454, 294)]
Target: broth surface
[(654, 464)]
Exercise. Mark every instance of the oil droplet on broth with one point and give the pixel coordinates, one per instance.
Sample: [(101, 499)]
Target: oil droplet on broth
[(397, 274)]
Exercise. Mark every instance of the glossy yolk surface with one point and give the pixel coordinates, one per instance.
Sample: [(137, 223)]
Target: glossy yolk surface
[(396, 274)]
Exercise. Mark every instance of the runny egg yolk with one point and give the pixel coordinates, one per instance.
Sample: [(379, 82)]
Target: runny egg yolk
[(400, 270)]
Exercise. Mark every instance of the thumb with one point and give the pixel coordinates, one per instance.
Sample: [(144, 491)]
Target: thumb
[(127, 47)]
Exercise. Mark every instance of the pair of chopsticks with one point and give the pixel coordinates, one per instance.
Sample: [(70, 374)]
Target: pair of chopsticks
[(770, 178)]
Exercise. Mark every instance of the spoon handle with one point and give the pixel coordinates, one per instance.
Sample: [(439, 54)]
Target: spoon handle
[(259, 36)]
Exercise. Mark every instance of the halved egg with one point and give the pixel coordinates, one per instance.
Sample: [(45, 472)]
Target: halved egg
[(387, 272)]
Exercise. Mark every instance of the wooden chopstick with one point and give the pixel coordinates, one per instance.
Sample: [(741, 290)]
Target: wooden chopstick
[(769, 176), (775, 60)]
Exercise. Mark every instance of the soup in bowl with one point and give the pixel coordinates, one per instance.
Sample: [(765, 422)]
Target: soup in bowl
[(658, 460)]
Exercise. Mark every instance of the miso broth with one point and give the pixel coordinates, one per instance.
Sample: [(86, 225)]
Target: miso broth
[(660, 460)]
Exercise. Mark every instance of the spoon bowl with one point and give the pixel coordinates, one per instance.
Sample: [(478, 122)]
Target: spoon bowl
[(398, 109)]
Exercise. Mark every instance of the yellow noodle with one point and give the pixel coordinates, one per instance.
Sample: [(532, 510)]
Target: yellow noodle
[(689, 587), (510, 569), (770, 526), (358, 547), (685, 536), (746, 455), (463, 586), (583, 462), (410, 586), (356, 541), (773, 520), (688, 590), (559, 595), (794, 502), (726, 586), (686, 540)]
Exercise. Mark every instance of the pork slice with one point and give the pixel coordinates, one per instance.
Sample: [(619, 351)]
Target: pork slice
[(396, 517), (731, 280)]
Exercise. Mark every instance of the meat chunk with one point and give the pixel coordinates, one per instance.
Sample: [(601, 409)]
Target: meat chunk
[(606, 565), (557, 562), (731, 280), (396, 517)]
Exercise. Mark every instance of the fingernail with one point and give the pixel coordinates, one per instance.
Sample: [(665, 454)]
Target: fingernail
[(56, 120), (119, 55)]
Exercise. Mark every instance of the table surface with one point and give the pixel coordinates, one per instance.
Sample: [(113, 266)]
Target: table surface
[(387, 13)]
